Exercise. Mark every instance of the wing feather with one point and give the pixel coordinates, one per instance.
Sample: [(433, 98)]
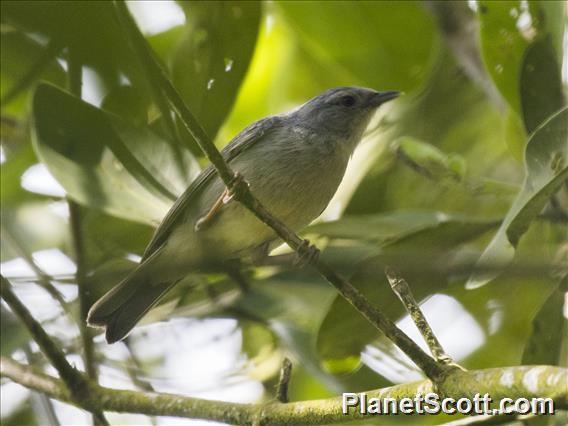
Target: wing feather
[(240, 143)]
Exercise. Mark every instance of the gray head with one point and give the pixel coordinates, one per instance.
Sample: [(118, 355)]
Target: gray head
[(343, 111)]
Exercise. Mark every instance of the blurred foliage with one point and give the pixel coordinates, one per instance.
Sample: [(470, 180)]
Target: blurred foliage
[(448, 186)]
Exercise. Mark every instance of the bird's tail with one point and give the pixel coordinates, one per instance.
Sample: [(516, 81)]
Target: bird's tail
[(123, 306)]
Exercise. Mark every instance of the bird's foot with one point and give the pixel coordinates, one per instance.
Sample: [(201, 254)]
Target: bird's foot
[(306, 254), (234, 187)]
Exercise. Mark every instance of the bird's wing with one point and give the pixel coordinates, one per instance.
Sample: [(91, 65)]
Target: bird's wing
[(240, 143)]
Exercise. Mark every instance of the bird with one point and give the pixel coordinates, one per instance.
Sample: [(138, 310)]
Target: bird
[(293, 163)]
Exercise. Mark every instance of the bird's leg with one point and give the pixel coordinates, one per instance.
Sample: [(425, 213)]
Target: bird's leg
[(208, 217), (225, 198), (306, 254)]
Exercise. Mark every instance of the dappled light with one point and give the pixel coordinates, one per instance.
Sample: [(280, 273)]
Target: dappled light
[(454, 188)]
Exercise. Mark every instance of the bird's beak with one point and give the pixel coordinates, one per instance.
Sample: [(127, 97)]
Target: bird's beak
[(380, 98)]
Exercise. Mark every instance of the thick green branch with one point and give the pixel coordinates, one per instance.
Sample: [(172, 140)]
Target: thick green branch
[(510, 382), (242, 194)]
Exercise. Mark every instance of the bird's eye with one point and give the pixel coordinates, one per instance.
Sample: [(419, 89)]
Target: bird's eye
[(347, 101)]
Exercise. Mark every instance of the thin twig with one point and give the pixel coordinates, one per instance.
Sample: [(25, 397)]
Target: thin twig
[(239, 187), (84, 303), (284, 381), (78, 386), (45, 404), (75, 83), (401, 288), (133, 366), (43, 279)]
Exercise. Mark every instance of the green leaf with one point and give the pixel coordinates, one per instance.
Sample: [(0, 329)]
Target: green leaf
[(549, 327), (109, 237), (503, 46), (428, 160), (418, 244), (30, 227), (541, 84), (125, 102), (286, 303), (546, 162), (90, 27), (396, 227), (455, 116), (517, 47), (14, 335), (106, 163), (213, 56), (364, 40), (24, 61), (11, 192)]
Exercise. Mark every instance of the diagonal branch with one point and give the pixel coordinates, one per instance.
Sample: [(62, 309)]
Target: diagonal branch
[(401, 288), (78, 386), (43, 279), (242, 194)]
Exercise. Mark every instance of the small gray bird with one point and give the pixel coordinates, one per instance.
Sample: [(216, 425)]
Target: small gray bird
[(294, 163)]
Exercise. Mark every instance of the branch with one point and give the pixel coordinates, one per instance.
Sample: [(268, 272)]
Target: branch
[(78, 385), (284, 381), (75, 83), (43, 279), (401, 288), (522, 382), (241, 192)]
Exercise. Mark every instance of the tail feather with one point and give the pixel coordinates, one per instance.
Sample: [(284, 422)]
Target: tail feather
[(121, 308)]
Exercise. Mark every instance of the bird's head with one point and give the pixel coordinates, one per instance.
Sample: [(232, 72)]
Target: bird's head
[(343, 111)]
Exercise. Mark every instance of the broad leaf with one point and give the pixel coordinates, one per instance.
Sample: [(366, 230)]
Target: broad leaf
[(541, 84), (396, 227), (546, 161), (365, 38), (503, 46), (106, 163), (91, 28), (418, 244), (23, 62), (213, 55), (429, 161), (549, 328)]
